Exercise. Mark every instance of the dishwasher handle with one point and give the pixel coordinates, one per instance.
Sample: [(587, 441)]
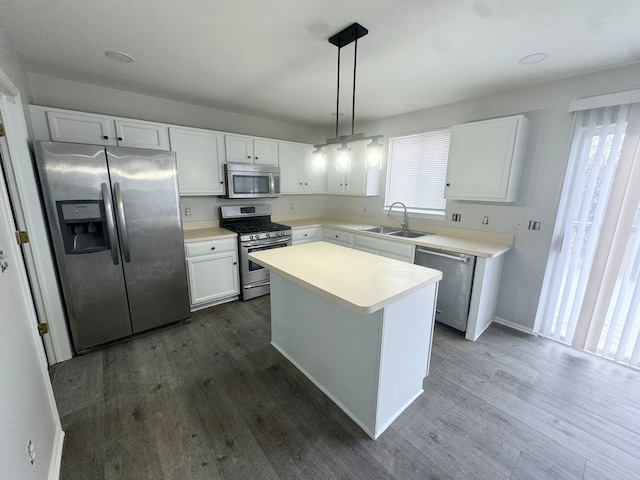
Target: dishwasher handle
[(452, 256)]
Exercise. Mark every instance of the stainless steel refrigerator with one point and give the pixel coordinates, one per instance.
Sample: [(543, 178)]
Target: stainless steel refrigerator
[(116, 231)]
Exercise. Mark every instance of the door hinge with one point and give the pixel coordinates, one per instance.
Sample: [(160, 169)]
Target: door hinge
[(43, 328), (22, 237), (2, 134)]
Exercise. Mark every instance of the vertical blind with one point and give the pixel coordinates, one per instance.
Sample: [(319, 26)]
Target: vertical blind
[(416, 171), (594, 295)]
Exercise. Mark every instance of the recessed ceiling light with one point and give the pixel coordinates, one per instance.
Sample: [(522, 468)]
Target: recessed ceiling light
[(119, 56), (533, 58)]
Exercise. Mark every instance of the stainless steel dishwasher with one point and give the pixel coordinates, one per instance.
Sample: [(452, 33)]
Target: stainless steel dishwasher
[(454, 291)]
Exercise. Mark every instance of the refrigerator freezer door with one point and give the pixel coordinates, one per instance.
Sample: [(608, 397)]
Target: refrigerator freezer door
[(144, 184), (73, 178)]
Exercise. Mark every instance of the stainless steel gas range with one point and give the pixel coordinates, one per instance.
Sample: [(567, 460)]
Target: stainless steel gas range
[(255, 232)]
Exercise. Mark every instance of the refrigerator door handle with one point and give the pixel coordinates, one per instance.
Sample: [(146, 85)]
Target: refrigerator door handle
[(124, 239), (111, 227)]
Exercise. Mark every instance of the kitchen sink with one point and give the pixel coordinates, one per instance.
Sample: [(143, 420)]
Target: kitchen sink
[(395, 231), (385, 230), (409, 234)]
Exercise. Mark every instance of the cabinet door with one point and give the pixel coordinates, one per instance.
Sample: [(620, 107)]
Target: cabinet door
[(200, 155), (315, 175), (265, 152), (133, 133), (238, 148), (290, 157), (483, 159), (81, 128), (213, 277), (355, 177)]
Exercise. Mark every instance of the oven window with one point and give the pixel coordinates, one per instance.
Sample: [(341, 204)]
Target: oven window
[(254, 266), (251, 184)]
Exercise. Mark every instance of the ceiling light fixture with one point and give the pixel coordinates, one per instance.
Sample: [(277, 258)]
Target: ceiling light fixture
[(533, 58), (119, 56), (341, 39)]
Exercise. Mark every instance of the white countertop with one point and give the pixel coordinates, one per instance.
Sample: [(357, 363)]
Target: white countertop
[(360, 281), (469, 246), (464, 242), (211, 233)]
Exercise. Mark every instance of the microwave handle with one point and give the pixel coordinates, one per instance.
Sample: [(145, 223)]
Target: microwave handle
[(275, 184)]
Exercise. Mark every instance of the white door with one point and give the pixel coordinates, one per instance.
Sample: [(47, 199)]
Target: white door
[(30, 432)]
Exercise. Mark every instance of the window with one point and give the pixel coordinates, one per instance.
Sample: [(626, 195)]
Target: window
[(416, 171)]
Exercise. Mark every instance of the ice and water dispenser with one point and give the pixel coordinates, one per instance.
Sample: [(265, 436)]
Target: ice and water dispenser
[(82, 224)]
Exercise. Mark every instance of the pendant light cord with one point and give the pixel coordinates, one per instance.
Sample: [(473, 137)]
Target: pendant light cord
[(353, 101), (338, 95)]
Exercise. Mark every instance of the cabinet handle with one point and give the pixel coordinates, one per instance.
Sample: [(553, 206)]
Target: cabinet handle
[(235, 263), (105, 137), (213, 248), (120, 138), (448, 184), (336, 236), (221, 182), (249, 156), (256, 158), (306, 183), (300, 183)]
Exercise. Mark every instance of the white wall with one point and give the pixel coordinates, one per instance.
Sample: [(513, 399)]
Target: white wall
[(56, 92), (546, 106)]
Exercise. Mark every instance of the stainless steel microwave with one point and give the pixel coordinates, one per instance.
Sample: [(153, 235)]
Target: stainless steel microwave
[(251, 181)]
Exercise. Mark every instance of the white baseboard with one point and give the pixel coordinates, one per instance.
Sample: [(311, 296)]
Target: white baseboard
[(56, 455), (515, 326)]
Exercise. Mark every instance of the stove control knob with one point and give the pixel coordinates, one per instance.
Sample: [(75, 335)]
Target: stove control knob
[(268, 235)]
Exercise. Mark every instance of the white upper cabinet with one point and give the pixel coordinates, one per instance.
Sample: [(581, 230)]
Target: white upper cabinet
[(354, 177), (485, 159), (315, 174), (200, 158), (299, 171), (291, 159), (246, 149), (78, 127), (81, 128)]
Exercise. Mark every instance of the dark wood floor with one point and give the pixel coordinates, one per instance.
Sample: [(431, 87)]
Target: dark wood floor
[(212, 399)]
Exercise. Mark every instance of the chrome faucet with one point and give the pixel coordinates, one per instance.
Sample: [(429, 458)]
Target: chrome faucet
[(405, 222)]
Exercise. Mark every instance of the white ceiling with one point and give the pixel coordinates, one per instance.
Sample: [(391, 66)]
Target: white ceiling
[(271, 58)]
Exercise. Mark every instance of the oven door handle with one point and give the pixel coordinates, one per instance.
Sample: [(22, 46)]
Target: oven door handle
[(264, 243)]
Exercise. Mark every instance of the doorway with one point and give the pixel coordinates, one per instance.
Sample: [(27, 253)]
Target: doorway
[(593, 299)]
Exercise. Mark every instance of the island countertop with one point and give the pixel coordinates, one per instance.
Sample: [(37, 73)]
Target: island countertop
[(360, 281)]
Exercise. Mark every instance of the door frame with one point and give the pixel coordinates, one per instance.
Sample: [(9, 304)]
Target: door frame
[(25, 200)]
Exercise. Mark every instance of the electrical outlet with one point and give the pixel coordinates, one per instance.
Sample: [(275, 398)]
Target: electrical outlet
[(364, 208), (485, 220), (456, 217), (187, 211), (292, 206), (534, 225)]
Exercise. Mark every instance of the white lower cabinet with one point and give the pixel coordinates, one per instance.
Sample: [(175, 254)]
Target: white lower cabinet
[(305, 235), (387, 248), (339, 237), (212, 267)]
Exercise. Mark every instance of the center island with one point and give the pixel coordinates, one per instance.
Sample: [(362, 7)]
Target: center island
[(358, 325)]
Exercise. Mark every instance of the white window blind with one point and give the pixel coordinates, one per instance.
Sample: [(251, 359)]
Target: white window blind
[(416, 170)]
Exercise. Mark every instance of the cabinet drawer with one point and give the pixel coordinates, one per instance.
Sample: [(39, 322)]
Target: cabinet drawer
[(302, 235), (338, 236), (210, 246), (394, 249)]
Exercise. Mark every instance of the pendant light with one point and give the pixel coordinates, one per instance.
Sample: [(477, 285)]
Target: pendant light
[(341, 39)]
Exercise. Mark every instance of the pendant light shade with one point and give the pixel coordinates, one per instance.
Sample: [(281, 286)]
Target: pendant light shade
[(349, 35)]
